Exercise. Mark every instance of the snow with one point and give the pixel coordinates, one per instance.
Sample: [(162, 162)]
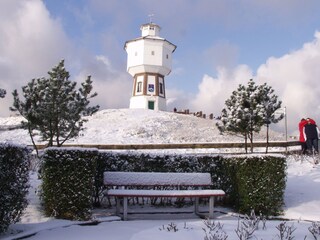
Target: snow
[(159, 179), (302, 195), (156, 178), (138, 126), (165, 193)]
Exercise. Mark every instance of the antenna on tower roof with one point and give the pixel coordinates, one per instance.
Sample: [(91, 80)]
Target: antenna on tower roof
[(150, 17)]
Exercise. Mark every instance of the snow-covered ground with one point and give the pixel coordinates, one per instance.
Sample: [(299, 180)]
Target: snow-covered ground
[(302, 195), (117, 126)]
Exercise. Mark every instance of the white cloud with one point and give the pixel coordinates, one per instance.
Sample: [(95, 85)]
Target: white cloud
[(113, 88), (222, 54), (105, 60), (30, 44), (177, 98), (214, 91), (295, 78), (30, 39)]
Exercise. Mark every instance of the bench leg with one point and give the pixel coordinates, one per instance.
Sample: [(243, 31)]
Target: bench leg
[(117, 206), (211, 207), (196, 205), (125, 208)]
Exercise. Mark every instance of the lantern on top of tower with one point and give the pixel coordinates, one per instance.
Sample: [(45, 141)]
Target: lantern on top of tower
[(149, 61)]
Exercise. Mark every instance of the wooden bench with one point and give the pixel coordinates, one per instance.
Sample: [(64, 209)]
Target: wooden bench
[(118, 183)]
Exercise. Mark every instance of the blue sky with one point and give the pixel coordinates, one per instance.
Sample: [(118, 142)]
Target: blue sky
[(220, 44)]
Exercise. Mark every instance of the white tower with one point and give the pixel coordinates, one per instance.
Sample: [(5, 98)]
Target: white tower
[(149, 61)]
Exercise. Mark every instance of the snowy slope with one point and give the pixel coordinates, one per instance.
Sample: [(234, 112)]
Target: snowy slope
[(302, 200), (117, 126)]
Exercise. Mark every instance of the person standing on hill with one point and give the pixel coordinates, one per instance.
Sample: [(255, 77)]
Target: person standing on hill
[(311, 134), (302, 139)]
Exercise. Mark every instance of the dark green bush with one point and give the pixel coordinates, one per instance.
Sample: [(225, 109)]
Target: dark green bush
[(260, 183), (251, 182), (67, 182), (14, 176)]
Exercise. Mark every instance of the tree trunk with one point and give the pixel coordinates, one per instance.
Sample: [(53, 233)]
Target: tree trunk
[(246, 143), (251, 140), (251, 136), (34, 144), (267, 138)]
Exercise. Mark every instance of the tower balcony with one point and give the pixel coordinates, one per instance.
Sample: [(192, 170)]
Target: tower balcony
[(162, 70)]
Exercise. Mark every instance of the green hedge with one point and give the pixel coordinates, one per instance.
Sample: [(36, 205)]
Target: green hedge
[(14, 177), (67, 182), (254, 182), (251, 182)]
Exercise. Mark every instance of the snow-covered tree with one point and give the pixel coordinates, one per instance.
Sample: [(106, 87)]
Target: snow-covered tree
[(53, 107), (2, 93), (270, 104), (243, 114)]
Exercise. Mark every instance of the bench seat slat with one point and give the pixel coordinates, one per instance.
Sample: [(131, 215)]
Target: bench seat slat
[(164, 193), (156, 179)]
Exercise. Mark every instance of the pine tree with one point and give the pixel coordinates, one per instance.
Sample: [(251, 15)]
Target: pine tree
[(53, 107), (243, 113), (270, 104), (248, 109)]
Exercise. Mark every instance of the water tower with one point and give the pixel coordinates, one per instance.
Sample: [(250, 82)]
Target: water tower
[(149, 61)]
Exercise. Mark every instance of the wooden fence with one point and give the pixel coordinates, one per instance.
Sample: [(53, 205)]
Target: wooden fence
[(283, 144)]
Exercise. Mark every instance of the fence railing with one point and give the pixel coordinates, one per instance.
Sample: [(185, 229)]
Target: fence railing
[(282, 144)]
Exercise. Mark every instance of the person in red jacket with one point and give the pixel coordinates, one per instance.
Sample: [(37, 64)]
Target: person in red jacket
[(302, 140), (311, 134)]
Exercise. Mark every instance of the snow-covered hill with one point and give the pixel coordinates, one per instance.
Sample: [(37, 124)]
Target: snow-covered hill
[(301, 201), (138, 126)]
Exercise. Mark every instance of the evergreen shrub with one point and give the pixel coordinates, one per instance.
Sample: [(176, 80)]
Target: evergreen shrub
[(73, 179), (14, 177), (254, 182), (67, 182), (251, 182)]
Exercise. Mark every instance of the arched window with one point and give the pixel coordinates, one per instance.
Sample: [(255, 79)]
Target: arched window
[(139, 87), (161, 88)]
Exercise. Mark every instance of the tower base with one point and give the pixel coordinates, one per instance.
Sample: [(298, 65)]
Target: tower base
[(149, 102)]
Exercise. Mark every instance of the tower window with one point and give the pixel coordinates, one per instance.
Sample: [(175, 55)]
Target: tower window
[(139, 87), (136, 54), (167, 56), (160, 88), (152, 53)]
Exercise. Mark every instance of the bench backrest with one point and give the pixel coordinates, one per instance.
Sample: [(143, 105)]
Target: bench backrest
[(156, 179)]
